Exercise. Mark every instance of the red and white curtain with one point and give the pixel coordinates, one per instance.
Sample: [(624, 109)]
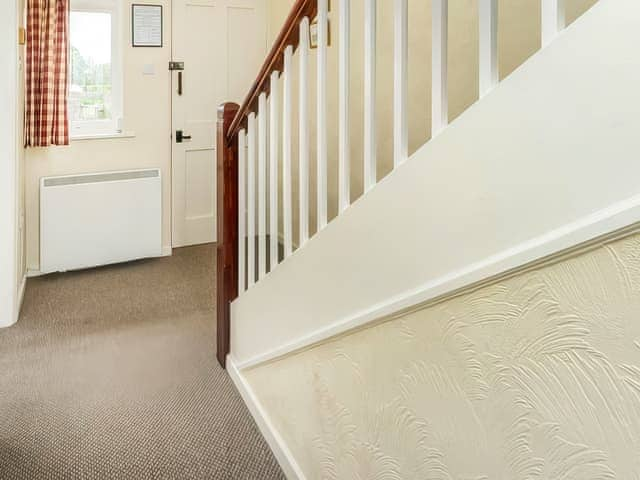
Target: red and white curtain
[(46, 119)]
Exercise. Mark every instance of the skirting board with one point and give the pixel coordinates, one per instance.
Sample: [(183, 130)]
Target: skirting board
[(21, 290), (283, 455), (167, 251)]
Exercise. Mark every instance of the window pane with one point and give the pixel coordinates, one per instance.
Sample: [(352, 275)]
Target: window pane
[(90, 90)]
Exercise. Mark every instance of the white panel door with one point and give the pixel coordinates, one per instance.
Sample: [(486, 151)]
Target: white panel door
[(222, 44)]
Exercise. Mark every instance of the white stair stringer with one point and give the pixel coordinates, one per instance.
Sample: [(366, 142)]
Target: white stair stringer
[(545, 162)]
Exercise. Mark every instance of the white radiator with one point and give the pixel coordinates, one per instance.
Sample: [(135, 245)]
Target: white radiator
[(99, 219)]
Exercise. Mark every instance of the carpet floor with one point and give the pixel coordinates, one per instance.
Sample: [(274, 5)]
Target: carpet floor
[(110, 373)]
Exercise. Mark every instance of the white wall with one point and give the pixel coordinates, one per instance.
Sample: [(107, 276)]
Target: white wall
[(147, 114), (533, 378), (546, 161), (8, 164)]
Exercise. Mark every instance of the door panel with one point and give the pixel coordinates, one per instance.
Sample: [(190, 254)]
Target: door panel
[(222, 44), (198, 199)]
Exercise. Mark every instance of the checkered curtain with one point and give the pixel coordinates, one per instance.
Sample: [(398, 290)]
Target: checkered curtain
[(46, 120)]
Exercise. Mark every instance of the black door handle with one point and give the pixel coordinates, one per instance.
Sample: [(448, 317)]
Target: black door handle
[(180, 136)]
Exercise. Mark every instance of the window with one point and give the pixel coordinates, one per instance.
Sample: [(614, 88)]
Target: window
[(95, 86)]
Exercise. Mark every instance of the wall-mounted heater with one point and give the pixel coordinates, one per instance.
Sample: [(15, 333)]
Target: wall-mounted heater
[(99, 218)]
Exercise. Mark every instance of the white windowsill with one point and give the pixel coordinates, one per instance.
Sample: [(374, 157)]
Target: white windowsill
[(102, 136)]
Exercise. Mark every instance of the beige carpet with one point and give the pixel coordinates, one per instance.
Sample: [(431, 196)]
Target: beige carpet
[(111, 374)]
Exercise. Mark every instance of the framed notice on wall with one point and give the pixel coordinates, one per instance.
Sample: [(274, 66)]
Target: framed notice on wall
[(146, 25)]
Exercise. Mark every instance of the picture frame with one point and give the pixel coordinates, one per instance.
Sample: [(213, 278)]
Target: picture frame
[(313, 34), (313, 30), (147, 25)]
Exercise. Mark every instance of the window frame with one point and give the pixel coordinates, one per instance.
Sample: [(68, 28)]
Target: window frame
[(99, 128)]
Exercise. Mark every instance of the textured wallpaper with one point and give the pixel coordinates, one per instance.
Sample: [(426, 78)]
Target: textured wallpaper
[(534, 377)]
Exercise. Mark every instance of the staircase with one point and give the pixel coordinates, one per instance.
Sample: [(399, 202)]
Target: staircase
[(541, 169)]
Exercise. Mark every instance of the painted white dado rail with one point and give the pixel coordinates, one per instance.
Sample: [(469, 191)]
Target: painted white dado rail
[(547, 161)]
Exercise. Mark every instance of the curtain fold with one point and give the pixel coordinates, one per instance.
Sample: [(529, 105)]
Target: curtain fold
[(46, 116)]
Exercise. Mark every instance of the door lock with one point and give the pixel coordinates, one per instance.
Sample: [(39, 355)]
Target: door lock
[(179, 67), (180, 136)]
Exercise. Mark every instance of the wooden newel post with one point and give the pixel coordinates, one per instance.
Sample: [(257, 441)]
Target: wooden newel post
[(227, 249)]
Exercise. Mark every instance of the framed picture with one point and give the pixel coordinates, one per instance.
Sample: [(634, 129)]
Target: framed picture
[(313, 34), (146, 25), (313, 30)]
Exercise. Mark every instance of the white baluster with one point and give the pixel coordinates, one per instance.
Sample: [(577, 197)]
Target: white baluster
[(251, 199), (274, 151), (488, 45), (439, 97), (370, 140), (322, 113), (262, 185), (344, 147), (286, 153), (401, 82), (553, 19), (303, 134), (242, 210)]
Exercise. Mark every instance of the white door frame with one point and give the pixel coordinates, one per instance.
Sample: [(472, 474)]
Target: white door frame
[(8, 165)]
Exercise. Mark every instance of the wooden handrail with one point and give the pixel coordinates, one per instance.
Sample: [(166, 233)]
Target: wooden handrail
[(289, 35)]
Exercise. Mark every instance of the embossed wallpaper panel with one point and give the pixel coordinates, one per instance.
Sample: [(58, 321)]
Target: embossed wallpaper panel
[(534, 377)]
